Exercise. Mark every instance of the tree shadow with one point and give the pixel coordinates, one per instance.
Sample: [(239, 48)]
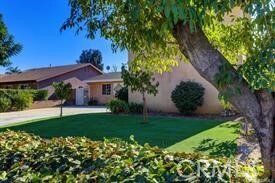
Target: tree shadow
[(160, 131), (217, 149), (236, 126)]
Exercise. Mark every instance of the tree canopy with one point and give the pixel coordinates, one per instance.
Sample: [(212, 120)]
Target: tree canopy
[(8, 47), (91, 56), (147, 27), (160, 33)]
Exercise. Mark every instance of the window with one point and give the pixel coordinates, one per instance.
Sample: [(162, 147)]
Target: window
[(106, 89), (23, 86)]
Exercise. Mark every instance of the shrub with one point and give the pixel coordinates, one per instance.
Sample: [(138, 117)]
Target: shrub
[(22, 100), (92, 101), (5, 104), (117, 106), (135, 108), (28, 158), (188, 96), (39, 95), (122, 94)]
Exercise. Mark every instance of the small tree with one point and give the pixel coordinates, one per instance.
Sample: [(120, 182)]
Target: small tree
[(140, 81), (62, 92), (91, 56)]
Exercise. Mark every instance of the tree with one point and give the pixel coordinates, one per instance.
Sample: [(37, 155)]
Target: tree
[(8, 47), (91, 56), (114, 68), (63, 92), (12, 70), (140, 81), (161, 32)]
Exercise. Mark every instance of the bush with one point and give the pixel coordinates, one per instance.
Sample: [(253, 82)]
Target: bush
[(28, 158), (22, 100), (117, 106), (39, 95), (92, 101), (122, 94), (188, 96), (135, 108), (5, 104)]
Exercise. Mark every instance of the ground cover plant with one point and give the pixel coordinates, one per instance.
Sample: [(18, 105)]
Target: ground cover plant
[(28, 158)]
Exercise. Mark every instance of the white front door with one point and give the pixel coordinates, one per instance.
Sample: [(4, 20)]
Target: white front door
[(79, 96)]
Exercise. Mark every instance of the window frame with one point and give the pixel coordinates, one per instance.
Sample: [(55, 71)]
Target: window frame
[(105, 90)]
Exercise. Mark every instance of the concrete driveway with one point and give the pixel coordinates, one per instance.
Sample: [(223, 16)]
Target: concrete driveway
[(20, 116)]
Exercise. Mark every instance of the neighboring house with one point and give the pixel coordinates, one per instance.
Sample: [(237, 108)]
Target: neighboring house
[(42, 78), (104, 87), (183, 72)]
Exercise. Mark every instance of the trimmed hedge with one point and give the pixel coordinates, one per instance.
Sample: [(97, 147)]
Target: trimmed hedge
[(135, 108), (18, 99), (28, 158), (39, 95), (118, 106), (188, 96), (5, 104)]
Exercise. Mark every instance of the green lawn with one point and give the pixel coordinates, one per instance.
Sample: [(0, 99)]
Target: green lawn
[(176, 134)]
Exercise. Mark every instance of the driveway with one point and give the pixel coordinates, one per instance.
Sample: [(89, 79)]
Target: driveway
[(20, 116)]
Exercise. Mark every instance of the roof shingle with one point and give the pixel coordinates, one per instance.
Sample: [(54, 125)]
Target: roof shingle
[(107, 77), (40, 74)]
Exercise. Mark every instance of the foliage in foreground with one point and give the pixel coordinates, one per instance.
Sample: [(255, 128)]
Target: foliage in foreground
[(28, 158)]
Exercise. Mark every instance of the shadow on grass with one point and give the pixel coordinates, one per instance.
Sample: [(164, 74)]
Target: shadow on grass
[(235, 125), (217, 149), (161, 131)]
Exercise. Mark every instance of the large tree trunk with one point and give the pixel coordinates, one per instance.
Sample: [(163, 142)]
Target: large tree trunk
[(258, 107)]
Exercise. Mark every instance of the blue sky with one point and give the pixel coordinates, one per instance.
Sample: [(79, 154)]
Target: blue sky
[(35, 24)]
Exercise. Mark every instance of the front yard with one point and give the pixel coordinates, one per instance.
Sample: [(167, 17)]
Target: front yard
[(212, 137)]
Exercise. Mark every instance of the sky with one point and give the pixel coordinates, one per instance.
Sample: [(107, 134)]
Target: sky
[(36, 25)]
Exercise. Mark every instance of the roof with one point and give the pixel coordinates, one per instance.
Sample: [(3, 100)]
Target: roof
[(76, 83), (40, 74), (106, 77)]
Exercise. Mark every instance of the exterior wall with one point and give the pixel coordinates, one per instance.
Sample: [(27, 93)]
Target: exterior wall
[(81, 74), (162, 101), (167, 82), (96, 91)]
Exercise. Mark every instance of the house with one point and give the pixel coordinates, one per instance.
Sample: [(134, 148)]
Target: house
[(184, 71), (168, 81), (42, 78), (103, 87)]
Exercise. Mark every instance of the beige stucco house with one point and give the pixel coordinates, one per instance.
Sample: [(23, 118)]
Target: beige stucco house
[(104, 87), (184, 71), (167, 82)]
